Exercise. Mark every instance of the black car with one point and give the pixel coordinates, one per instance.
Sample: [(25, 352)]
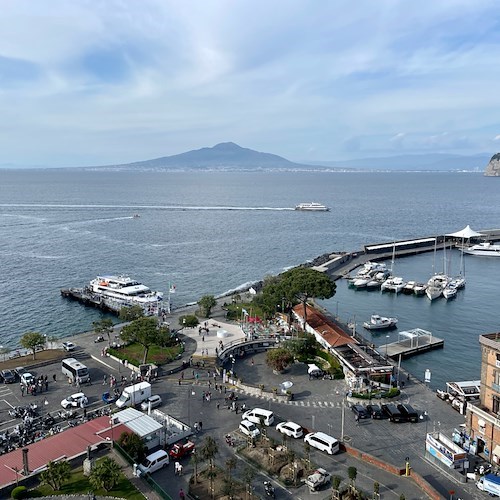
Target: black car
[(8, 376), (19, 371), (360, 411), (392, 412), (375, 411), (408, 413)]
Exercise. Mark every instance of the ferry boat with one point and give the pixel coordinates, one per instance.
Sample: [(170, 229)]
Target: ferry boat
[(312, 207), (484, 249), (125, 290)]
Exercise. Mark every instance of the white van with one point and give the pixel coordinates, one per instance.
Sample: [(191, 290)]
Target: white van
[(259, 414), (153, 462), (248, 428), (323, 442)]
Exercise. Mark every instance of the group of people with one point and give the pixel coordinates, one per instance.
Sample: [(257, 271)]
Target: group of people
[(37, 385)]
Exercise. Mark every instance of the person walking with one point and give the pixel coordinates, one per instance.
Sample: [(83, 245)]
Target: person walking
[(182, 495), (22, 390), (54, 377)]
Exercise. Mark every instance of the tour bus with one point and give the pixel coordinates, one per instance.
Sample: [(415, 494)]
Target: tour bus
[(74, 370)]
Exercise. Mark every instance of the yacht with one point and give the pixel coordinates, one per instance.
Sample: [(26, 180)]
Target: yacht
[(484, 249), (379, 323), (436, 285), (450, 291), (125, 290), (312, 207), (419, 288), (393, 284), (409, 288)]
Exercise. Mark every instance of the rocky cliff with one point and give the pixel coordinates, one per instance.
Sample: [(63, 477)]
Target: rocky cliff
[(493, 168)]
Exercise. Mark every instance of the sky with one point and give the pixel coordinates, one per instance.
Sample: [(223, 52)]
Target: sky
[(91, 82)]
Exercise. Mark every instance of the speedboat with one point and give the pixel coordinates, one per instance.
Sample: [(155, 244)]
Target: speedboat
[(483, 249), (125, 291), (379, 322), (312, 207)]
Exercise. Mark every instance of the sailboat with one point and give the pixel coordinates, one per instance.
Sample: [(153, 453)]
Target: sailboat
[(393, 283), (437, 283), (455, 283)]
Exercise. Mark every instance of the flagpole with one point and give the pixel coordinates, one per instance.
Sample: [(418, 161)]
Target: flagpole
[(168, 304)]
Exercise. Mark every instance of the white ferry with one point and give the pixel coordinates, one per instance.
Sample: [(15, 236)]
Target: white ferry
[(125, 290), (312, 207), (483, 249)]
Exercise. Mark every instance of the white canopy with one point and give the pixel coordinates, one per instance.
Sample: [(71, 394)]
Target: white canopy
[(466, 233)]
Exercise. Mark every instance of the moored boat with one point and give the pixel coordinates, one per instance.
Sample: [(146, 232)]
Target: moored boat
[(378, 322), (393, 284), (312, 207), (484, 249), (409, 287), (419, 288)]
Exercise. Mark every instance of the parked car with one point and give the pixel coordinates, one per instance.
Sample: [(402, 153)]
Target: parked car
[(109, 398), (410, 414), (75, 400), (68, 346), (392, 412), (360, 411), (375, 411), (249, 428), (8, 376), (19, 371), (180, 450), (27, 378), (290, 429), (154, 401), (99, 338)]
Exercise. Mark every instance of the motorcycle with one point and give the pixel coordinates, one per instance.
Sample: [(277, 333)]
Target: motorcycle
[(229, 440), (269, 489)]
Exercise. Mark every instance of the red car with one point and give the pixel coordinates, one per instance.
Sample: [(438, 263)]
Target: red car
[(179, 450)]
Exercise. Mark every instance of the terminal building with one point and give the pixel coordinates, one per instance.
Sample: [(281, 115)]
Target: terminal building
[(483, 418)]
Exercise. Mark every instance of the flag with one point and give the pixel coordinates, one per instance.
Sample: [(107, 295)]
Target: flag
[(171, 289)]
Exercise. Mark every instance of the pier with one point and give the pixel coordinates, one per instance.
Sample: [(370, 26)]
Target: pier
[(90, 299), (410, 343)]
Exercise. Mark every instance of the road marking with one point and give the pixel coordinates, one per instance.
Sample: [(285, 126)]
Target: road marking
[(102, 362)]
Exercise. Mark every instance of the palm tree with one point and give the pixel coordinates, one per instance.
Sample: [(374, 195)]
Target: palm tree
[(105, 474), (230, 466), (336, 480), (248, 477), (56, 474), (352, 472), (209, 450), (195, 458)]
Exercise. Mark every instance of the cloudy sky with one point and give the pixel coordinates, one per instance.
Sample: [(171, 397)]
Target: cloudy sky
[(89, 82)]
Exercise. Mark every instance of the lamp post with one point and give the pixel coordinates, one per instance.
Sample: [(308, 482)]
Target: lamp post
[(111, 424), (386, 343), (342, 422)]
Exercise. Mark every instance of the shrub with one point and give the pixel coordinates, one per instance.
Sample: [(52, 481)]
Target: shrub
[(19, 492)]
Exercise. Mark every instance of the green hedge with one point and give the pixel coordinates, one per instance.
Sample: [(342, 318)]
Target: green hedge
[(19, 492)]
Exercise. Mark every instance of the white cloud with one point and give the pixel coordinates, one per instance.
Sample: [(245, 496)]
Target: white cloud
[(300, 79)]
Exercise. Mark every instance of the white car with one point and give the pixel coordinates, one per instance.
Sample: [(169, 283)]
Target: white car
[(68, 346), (153, 400), (27, 378), (249, 428), (290, 429), (75, 400)]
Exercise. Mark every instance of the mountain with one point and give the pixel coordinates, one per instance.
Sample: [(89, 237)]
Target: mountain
[(428, 162), (226, 155), (493, 167)]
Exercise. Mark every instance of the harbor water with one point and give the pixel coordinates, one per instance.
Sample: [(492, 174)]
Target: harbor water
[(210, 232)]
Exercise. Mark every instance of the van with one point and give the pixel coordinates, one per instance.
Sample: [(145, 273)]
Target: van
[(153, 462), (248, 428), (323, 442), (314, 371), (258, 415), (393, 414), (408, 413)]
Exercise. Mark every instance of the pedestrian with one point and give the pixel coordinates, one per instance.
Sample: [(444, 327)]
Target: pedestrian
[(104, 379), (182, 496), (78, 382), (252, 362), (203, 338), (180, 469), (176, 468), (200, 426), (46, 385), (179, 381), (217, 405), (408, 377), (356, 417), (182, 375), (22, 390), (89, 381), (54, 377)]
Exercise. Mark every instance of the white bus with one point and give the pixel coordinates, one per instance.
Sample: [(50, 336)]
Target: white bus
[(73, 369)]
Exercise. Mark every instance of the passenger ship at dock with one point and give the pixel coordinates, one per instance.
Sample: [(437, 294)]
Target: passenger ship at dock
[(126, 291)]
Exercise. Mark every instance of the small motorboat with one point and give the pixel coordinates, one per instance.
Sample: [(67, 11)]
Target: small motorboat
[(450, 291), (135, 216), (419, 288), (378, 322)]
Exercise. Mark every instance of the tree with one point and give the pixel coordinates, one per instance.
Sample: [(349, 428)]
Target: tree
[(195, 458), (278, 359), (56, 474), (303, 283), (248, 477), (352, 472), (131, 313), (188, 321), (303, 347), (105, 474), (228, 488), (336, 480), (209, 450), (133, 445), (32, 340), (230, 466), (376, 490), (103, 327), (307, 451), (207, 303), (145, 331)]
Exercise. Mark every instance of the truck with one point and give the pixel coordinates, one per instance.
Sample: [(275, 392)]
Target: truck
[(317, 479), (490, 484), (134, 395)]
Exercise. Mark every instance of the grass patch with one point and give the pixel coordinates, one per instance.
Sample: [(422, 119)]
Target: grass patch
[(79, 484), (133, 353)]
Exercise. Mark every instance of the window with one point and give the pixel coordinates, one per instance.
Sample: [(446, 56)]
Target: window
[(496, 404)]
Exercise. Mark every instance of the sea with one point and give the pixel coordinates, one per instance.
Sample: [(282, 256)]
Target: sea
[(211, 232)]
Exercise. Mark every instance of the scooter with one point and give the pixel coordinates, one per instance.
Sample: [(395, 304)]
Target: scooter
[(269, 489)]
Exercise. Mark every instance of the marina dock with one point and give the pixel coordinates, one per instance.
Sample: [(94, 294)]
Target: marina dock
[(89, 299), (411, 343)]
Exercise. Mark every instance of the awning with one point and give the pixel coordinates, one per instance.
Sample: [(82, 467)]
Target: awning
[(481, 423), (466, 232), (496, 450)]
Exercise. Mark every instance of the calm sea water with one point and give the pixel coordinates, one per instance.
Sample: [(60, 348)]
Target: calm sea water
[(210, 232)]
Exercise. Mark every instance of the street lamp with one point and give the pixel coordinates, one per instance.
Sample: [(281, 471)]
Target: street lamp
[(111, 424), (386, 343)]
